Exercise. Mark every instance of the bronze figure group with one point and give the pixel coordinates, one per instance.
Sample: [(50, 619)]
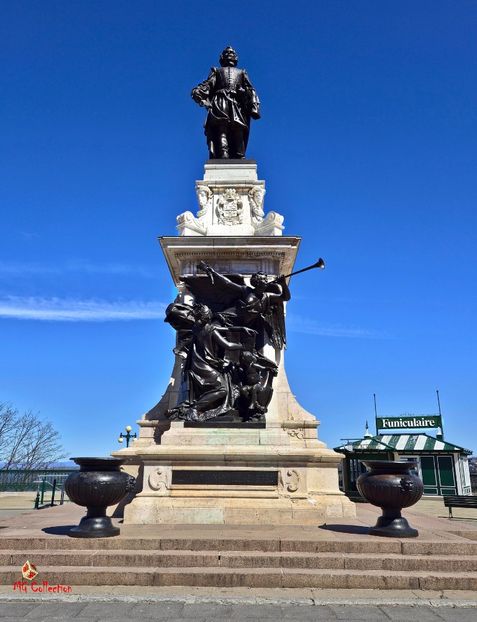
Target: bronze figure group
[(220, 338)]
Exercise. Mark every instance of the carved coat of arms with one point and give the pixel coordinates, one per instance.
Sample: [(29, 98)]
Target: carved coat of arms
[(229, 208)]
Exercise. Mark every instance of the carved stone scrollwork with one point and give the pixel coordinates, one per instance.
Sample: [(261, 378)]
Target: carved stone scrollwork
[(187, 220), (272, 224), (289, 480), (296, 433), (159, 479), (229, 208), (274, 218)]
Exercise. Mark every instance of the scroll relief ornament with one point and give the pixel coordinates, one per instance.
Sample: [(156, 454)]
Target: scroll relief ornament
[(229, 208), (187, 220), (290, 480), (159, 480), (298, 433)]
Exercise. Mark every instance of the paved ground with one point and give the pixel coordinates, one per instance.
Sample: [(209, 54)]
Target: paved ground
[(133, 603), (177, 610), (13, 503), (432, 506), (428, 516)]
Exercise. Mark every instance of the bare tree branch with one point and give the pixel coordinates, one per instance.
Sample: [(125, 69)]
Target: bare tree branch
[(7, 418), (27, 442)]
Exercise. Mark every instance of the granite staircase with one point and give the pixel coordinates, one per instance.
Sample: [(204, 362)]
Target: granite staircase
[(214, 560)]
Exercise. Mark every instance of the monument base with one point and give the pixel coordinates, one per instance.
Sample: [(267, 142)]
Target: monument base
[(237, 476), (230, 511), (274, 471)]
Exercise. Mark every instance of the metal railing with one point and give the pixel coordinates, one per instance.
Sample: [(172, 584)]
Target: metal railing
[(24, 480)]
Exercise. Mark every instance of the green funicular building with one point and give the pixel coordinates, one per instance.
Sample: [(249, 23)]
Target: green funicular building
[(442, 466)]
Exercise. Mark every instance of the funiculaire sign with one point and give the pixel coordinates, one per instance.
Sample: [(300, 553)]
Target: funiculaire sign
[(414, 421)]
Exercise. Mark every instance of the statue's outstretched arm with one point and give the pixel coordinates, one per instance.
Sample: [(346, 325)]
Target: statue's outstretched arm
[(220, 279)]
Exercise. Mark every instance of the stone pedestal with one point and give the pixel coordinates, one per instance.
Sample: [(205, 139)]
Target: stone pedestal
[(276, 472), (230, 203)]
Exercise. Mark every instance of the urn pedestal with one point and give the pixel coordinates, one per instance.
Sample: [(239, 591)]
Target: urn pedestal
[(98, 484), (391, 486)]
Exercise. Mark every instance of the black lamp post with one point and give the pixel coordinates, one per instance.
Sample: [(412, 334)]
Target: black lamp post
[(128, 436)]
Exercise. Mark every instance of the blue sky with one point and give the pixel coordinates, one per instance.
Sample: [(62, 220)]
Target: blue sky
[(367, 145)]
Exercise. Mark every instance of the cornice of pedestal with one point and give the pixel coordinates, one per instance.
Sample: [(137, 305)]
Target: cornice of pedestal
[(221, 454), (230, 254)]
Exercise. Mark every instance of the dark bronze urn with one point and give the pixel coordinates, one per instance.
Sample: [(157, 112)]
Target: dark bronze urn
[(391, 486), (98, 484)]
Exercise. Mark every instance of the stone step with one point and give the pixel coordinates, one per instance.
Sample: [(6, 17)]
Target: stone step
[(367, 545), (249, 560), (264, 577)]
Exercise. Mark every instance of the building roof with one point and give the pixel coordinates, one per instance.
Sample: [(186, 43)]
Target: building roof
[(402, 443)]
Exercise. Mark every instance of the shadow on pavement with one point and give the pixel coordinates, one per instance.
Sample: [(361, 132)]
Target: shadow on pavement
[(457, 518), (346, 528), (60, 530)]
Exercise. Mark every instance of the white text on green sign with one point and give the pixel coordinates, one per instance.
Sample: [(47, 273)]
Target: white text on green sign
[(418, 421)]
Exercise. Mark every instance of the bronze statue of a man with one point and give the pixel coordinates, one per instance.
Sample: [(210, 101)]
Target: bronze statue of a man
[(231, 102)]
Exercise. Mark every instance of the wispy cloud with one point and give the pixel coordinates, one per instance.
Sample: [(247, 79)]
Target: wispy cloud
[(96, 310), (308, 326), (74, 310), (23, 269)]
